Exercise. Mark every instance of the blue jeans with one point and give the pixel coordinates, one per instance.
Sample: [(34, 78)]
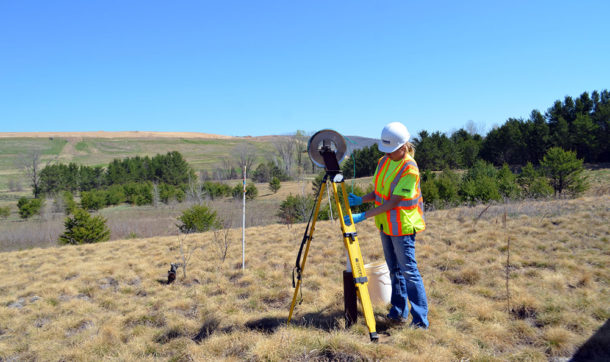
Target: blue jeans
[(407, 283)]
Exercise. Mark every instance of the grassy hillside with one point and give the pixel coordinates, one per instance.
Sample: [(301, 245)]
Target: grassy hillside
[(201, 151), (202, 154), (111, 301)]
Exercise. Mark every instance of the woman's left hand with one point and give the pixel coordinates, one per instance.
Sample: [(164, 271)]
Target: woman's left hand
[(358, 217)]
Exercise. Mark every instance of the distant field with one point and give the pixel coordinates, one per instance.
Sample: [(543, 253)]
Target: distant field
[(202, 153)]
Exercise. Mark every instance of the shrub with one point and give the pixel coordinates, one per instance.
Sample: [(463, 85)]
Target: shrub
[(69, 203), (479, 170), (267, 171), (115, 195), (93, 200), (507, 183), (138, 193), (447, 184), (532, 183), (251, 191), (296, 208), (84, 229), (480, 183), (274, 184), (216, 189), (180, 195), (5, 212), (29, 208), (198, 218), (167, 193), (430, 192), (483, 189)]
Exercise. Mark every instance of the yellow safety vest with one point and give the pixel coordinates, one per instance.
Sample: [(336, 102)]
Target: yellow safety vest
[(408, 217)]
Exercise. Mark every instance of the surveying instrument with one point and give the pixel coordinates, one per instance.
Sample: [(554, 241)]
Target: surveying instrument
[(326, 149)]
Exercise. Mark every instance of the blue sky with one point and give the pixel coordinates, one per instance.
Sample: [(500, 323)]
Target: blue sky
[(271, 67)]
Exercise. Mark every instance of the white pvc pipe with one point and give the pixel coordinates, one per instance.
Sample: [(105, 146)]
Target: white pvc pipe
[(243, 227)]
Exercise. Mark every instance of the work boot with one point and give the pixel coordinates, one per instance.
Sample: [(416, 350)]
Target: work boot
[(395, 321), (417, 326)]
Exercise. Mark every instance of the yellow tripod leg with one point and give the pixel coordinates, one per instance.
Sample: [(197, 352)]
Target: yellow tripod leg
[(309, 238), (350, 239)]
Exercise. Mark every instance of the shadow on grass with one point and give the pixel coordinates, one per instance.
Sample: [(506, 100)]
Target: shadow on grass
[(209, 327), (323, 321), (597, 347)]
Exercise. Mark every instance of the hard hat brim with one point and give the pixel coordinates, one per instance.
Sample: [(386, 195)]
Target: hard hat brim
[(387, 149)]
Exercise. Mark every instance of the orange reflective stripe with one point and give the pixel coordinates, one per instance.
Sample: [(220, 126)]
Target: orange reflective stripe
[(385, 171), (388, 215), (385, 160), (397, 177)]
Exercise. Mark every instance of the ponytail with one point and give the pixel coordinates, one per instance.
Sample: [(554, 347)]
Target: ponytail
[(410, 149)]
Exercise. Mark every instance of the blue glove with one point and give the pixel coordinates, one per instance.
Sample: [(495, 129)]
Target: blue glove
[(354, 200), (358, 217)]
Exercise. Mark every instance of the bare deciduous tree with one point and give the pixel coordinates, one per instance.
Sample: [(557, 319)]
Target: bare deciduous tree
[(285, 149), (226, 171), (222, 241), (194, 192), (472, 128), (246, 156), (300, 140), (186, 252), (30, 164)]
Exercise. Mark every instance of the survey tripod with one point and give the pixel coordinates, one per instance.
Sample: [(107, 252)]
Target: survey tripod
[(326, 147)]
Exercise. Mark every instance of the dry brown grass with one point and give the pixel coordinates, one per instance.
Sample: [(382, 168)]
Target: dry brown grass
[(110, 300)]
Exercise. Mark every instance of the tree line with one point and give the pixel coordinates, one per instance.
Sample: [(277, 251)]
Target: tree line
[(581, 125), (171, 169)]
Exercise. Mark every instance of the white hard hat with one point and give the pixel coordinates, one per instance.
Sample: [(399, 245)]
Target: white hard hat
[(393, 136)]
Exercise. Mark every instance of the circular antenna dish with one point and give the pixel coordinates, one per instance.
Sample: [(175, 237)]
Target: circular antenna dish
[(326, 138)]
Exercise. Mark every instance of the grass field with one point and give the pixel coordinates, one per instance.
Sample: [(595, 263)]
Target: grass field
[(111, 301)]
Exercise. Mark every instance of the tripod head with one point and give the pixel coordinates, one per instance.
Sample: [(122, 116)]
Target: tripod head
[(327, 148)]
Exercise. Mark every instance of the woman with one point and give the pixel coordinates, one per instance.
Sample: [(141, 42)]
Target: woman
[(399, 215)]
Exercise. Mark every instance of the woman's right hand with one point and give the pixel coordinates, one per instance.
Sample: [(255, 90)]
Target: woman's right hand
[(354, 200)]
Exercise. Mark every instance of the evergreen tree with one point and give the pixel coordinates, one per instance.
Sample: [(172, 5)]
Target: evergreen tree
[(29, 207), (505, 144), (532, 183), (536, 137), (84, 229), (435, 151), (564, 171), (198, 218), (507, 183), (274, 184)]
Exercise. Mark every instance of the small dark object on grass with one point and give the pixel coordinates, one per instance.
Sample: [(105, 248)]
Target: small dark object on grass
[(171, 273)]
